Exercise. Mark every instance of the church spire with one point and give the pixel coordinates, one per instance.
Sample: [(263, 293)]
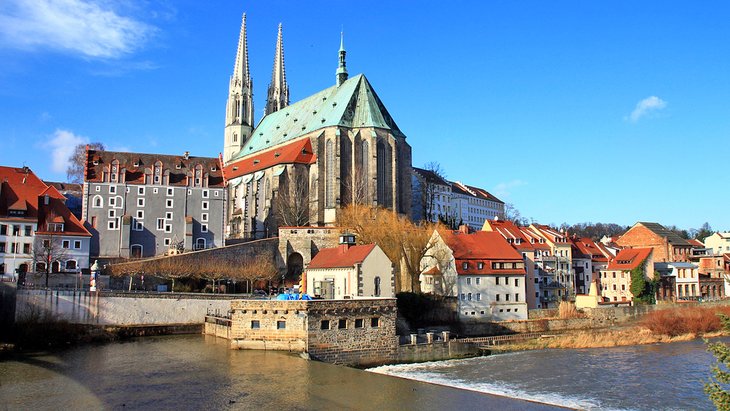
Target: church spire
[(239, 107), (342, 69), (278, 96)]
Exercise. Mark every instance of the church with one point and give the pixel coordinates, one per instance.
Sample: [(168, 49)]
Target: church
[(304, 161)]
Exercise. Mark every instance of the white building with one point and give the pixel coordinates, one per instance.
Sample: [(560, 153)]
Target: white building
[(719, 243), (350, 271), (472, 205)]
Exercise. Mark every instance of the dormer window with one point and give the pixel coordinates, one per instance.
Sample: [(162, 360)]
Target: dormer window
[(465, 266), (55, 227), (480, 265)]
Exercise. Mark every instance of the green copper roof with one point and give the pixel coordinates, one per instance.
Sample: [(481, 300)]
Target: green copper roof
[(353, 104)]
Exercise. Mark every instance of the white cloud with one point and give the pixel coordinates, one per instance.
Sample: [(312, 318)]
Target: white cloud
[(647, 107), (503, 190), (62, 144), (91, 28)]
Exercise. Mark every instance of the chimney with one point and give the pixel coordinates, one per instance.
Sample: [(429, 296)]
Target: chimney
[(464, 228), (186, 155), (347, 240)]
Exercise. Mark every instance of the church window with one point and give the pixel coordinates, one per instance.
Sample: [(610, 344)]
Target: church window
[(364, 169), (330, 174), (98, 201), (384, 172), (235, 137)]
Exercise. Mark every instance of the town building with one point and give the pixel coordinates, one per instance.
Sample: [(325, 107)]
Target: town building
[(558, 261), (472, 205), (481, 269), (530, 251), (668, 246), (615, 279), (684, 276), (142, 205), (589, 258), (719, 243), (38, 233), (350, 271), (431, 197), (304, 161)]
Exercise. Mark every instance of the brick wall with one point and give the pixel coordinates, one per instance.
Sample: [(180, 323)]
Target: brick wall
[(641, 237)]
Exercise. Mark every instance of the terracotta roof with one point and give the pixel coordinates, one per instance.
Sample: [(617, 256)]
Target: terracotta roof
[(629, 258), (432, 271), (23, 191), (696, 243), (587, 248), (484, 247), (510, 231), (552, 234), (134, 166), (341, 256), (534, 239), (298, 151)]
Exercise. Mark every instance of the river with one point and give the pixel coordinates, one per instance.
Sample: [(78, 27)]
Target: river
[(199, 372), (646, 377)]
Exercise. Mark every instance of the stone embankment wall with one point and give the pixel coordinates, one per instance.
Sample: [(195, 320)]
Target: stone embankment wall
[(118, 308)]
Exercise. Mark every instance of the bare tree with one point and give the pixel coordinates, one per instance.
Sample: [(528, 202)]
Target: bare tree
[(75, 170), (429, 183), (356, 189), (48, 249), (292, 204)]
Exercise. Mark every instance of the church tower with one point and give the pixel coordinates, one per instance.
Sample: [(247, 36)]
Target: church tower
[(239, 108), (278, 96), (342, 68)]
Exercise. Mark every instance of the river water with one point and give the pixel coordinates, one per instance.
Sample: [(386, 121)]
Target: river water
[(199, 372), (648, 377)]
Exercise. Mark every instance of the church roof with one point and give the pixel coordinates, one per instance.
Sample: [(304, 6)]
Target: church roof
[(299, 151), (353, 104)]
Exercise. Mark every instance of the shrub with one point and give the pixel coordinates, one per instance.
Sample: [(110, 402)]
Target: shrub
[(567, 309), (678, 321)]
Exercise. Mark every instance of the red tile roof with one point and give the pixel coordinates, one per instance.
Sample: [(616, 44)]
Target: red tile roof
[(588, 248), (629, 258), (484, 247), (298, 151), (512, 234), (342, 256), (135, 165), (22, 190), (696, 243)]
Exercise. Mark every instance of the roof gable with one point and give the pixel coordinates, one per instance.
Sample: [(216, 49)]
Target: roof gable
[(629, 258), (299, 151), (341, 257)]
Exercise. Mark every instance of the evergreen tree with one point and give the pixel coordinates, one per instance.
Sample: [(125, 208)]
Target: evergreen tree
[(717, 387)]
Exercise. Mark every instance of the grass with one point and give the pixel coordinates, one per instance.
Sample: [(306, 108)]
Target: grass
[(689, 320)]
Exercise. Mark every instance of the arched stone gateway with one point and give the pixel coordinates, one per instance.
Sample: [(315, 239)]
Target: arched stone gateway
[(294, 268)]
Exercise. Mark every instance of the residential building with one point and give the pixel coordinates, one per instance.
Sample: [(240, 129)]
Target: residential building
[(668, 246), (431, 197), (685, 277), (350, 271), (143, 205), (530, 252), (472, 205), (615, 279), (589, 258), (559, 261), (304, 161), (37, 231), (718, 242), (482, 270)]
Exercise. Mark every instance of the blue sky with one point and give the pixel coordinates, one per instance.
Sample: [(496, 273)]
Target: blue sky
[(574, 111)]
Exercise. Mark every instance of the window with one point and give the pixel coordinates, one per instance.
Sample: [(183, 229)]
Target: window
[(376, 286), (166, 241), (112, 213), (342, 323), (517, 282), (465, 266), (205, 205), (140, 191), (113, 224), (215, 193), (160, 223), (479, 296), (155, 190), (496, 280), (97, 188), (77, 244), (168, 228), (168, 203), (281, 325), (65, 244), (2, 247), (168, 215), (27, 230), (138, 225), (375, 322), (204, 217), (93, 221), (468, 296), (479, 280), (358, 323), (205, 194), (3, 229), (140, 202), (463, 297), (480, 265), (517, 297), (204, 228), (468, 280), (324, 325), (506, 297), (112, 189), (496, 297), (70, 265), (255, 324)]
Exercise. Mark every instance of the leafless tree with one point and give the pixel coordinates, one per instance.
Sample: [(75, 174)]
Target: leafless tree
[(356, 189), (292, 204), (429, 189), (47, 249), (75, 170)]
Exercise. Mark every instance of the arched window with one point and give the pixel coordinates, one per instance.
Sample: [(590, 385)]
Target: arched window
[(71, 265), (364, 170), (329, 199), (200, 244), (377, 286), (135, 251), (383, 167), (98, 202), (118, 202)]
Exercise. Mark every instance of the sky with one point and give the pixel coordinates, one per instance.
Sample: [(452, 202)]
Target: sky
[(573, 111)]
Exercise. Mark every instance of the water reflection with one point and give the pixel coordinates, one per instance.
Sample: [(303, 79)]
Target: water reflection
[(196, 372)]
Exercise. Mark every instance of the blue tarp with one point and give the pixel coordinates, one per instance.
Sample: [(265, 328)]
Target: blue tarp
[(288, 296)]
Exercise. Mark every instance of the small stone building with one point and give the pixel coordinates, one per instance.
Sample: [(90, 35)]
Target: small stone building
[(350, 271)]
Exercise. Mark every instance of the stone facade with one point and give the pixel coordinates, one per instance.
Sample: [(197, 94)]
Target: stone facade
[(352, 332)]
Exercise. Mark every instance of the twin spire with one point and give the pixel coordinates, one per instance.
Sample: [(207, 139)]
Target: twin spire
[(278, 95)]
